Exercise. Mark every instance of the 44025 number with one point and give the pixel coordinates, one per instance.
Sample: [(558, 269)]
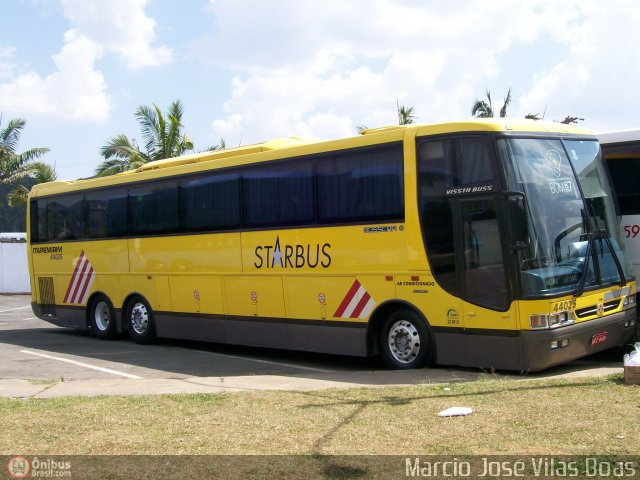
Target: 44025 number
[(564, 306)]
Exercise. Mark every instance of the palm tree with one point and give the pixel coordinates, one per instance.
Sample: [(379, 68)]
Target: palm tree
[(484, 109), (15, 167), (220, 146), (571, 120), (163, 137), (406, 115), (41, 173)]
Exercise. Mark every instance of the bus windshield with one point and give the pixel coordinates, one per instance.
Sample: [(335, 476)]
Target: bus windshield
[(573, 242)]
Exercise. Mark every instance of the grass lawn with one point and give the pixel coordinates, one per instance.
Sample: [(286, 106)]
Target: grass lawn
[(510, 417)]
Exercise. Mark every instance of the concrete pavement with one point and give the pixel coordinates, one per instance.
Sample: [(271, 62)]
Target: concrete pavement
[(39, 360), (155, 386), (20, 388)]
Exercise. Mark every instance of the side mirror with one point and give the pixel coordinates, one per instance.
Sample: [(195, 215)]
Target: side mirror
[(517, 213)]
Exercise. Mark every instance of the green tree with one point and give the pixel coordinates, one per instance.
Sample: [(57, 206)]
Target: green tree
[(13, 219), (571, 120), (484, 109), (406, 115), (41, 173), (20, 169), (163, 137), (220, 146), (568, 119), (14, 165)]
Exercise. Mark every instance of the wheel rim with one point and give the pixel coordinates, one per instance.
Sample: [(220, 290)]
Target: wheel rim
[(404, 341), (139, 318), (102, 316)]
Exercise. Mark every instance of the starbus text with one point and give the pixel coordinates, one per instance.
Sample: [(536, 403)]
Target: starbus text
[(293, 256)]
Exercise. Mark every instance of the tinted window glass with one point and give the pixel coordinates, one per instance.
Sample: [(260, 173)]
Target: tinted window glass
[(437, 173), (472, 161), (210, 202), (457, 162), (116, 212), (153, 208), (65, 217), (625, 174), (97, 221), (38, 212), (484, 276), (436, 177), (449, 168), (361, 186), (278, 194)]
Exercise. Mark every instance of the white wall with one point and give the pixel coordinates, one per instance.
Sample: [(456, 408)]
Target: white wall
[(14, 269)]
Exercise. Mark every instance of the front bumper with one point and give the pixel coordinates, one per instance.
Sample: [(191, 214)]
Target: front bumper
[(536, 345)]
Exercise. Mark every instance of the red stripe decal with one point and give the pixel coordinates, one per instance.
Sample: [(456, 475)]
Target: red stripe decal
[(81, 281), (85, 284), (347, 299), (361, 304), (75, 272)]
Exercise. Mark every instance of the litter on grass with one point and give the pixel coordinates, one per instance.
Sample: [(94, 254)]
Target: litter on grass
[(455, 412)]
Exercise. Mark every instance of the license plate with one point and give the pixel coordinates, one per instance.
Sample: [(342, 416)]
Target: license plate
[(599, 338)]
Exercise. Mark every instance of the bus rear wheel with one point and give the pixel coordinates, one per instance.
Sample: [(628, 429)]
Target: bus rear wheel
[(140, 321), (102, 317), (405, 342)]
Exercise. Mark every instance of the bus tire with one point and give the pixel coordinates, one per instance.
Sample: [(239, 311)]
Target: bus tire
[(102, 317), (139, 318), (405, 341)]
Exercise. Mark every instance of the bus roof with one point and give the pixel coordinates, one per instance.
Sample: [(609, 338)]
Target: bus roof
[(231, 152), (620, 136), (301, 146)]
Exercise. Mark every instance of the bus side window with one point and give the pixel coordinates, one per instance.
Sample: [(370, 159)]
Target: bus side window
[(210, 202), (625, 174), (278, 195), (361, 186), (38, 211), (117, 212), (65, 217), (153, 208), (96, 211), (436, 176)]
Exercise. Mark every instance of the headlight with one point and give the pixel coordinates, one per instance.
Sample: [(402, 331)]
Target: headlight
[(552, 320), (539, 321), (557, 319)]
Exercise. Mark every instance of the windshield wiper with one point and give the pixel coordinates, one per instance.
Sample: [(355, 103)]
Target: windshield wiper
[(580, 288), (599, 235), (603, 234)]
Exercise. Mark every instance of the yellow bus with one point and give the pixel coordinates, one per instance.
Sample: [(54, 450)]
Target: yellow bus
[(484, 243)]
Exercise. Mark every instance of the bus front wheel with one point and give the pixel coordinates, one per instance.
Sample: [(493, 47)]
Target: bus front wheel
[(404, 341), (102, 318), (140, 321)]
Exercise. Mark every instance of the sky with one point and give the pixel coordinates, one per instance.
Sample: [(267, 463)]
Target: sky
[(253, 70)]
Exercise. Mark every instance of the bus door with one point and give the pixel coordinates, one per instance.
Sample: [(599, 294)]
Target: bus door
[(463, 227), (489, 316)]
